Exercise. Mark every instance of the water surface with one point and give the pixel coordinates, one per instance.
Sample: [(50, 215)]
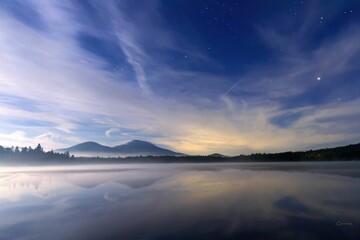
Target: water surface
[(182, 201)]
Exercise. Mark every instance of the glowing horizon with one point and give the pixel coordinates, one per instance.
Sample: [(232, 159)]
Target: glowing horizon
[(197, 78)]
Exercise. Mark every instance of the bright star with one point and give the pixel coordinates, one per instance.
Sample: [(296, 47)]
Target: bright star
[(318, 78)]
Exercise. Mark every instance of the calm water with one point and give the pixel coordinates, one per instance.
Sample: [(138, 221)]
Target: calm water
[(182, 201)]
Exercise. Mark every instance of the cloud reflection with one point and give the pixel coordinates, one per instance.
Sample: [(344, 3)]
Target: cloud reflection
[(175, 202)]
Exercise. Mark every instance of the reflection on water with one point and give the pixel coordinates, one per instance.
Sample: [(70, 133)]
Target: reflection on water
[(182, 201)]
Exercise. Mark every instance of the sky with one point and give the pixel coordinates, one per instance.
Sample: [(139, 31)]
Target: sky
[(194, 76)]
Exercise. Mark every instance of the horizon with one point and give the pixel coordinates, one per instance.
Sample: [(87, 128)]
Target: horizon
[(194, 77), (78, 153)]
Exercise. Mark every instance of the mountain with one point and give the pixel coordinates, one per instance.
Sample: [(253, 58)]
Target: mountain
[(132, 148), (144, 148), (87, 147)]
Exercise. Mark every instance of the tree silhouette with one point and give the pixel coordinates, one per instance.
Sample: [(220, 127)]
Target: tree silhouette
[(28, 154), (39, 148)]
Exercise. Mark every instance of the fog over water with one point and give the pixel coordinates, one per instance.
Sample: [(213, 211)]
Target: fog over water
[(181, 201)]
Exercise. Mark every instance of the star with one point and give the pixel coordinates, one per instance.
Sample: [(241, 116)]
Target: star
[(318, 78)]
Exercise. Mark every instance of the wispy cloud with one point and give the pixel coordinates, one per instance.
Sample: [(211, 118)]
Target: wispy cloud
[(80, 96), (110, 131)]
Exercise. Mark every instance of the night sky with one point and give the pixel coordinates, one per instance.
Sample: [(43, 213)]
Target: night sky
[(194, 76)]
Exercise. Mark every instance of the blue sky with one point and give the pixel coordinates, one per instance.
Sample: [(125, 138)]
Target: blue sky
[(195, 76)]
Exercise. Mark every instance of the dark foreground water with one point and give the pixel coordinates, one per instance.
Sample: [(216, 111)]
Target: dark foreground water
[(182, 201)]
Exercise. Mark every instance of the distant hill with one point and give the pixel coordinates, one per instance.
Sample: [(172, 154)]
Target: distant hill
[(132, 148), (217, 155), (144, 148), (349, 152), (87, 147)]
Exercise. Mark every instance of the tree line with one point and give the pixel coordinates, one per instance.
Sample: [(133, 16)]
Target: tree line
[(28, 154), (31, 154), (344, 153)]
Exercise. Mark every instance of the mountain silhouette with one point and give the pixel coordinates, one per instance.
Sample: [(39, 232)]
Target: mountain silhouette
[(132, 148), (88, 147)]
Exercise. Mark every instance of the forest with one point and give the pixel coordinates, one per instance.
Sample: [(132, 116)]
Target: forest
[(29, 154)]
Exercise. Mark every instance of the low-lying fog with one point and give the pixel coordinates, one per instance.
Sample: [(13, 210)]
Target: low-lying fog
[(181, 201)]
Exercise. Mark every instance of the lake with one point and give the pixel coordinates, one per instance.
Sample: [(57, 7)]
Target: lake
[(182, 201)]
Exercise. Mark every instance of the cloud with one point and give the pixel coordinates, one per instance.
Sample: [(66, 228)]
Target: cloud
[(110, 131), (19, 138), (47, 135), (51, 78)]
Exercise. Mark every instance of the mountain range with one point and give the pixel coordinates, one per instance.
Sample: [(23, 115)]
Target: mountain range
[(132, 148)]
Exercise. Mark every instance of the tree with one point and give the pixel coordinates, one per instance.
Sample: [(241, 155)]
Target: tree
[(17, 150), (39, 148)]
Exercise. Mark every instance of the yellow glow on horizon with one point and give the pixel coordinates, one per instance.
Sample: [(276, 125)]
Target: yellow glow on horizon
[(202, 140)]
